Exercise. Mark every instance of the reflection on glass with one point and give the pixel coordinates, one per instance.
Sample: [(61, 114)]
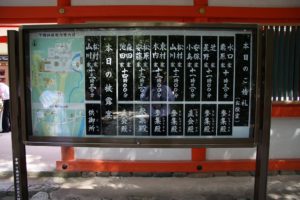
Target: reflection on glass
[(159, 93)]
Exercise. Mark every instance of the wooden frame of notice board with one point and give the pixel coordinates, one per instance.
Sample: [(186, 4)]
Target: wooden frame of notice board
[(31, 137)]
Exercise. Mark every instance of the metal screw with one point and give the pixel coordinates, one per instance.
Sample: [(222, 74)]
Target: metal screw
[(64, 166), (202, 11), (61, 10)]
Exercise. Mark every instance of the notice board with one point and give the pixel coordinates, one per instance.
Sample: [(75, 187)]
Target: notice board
[(140, 85)]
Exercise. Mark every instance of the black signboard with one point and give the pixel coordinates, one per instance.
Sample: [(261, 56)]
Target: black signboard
[(140, 85)]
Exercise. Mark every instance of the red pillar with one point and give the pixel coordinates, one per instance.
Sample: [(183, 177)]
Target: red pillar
[(61, 4), (67, 153)]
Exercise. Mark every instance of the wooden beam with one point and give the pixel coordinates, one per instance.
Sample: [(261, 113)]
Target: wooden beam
[(286, 109), (173, 166), (157, 13)]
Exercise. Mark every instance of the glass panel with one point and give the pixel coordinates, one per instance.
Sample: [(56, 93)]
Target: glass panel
[(141, 83)]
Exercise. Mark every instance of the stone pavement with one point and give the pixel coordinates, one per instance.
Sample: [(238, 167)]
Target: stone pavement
[(153, 188)]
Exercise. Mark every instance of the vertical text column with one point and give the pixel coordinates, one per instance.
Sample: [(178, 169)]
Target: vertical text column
[(176, 83), (142, 84), (160, 90), (108, 85), (193, 71), (209, 68), (126, 90), (242, 80), (92, 84), (192, 84), (226, 74), (209, 84)]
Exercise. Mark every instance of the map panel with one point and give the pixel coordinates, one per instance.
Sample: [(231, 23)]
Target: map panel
[(57, 85)]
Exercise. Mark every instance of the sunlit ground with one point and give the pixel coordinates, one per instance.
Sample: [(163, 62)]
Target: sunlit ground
[(171, 188)]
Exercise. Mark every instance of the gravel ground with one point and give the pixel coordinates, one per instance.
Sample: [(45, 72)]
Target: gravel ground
[(153, 188)]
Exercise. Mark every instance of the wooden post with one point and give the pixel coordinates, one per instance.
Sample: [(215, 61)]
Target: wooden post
[(67, 154), (198, 154), (262, 156), (18, 148)]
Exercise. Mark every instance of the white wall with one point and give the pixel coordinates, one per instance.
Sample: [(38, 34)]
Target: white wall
[(3, 32), (132, 2), (28, 2), (3, 49), (255, 3), (285, 141), (132, 154)]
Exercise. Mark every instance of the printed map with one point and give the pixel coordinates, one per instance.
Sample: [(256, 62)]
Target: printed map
[(57, 85)]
